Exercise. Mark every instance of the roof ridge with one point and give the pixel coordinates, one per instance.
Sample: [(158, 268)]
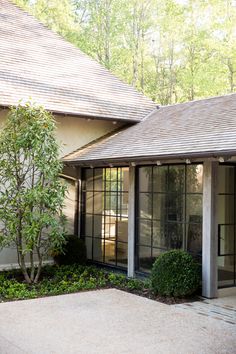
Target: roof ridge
[(198, 100)]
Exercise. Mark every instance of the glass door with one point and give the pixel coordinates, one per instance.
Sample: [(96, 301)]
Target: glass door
[(226, 225)]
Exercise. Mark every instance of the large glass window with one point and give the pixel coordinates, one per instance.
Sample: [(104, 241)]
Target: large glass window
[(169, 211), (226, 211), (105, 214), (69, 204)]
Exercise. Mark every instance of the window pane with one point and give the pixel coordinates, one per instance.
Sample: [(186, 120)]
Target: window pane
[(88, 242), (226, 239), (145, 232), (98, 202), (110, 227), (89, 179), (194, 178), (122, 254), (122, 230), (125, 179), (145, 259), (175, 207), (89, 202), (97, 249), (175, 235), (194, 239), (176, 179), (69, 205), (88, 225), (160, 178), (145, 205), (226, 176), (145, 179), (226, 270), (194, 208), (97, 226), (98, 179), (225, 209), (110, 252), (160, 204), (160, 235), (111, 203)]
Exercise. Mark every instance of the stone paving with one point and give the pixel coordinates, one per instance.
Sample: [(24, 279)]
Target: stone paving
[(111, 321), (223, 309)]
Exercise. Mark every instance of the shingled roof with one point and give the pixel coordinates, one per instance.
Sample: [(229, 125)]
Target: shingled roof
[(199, 128), (37, 63)]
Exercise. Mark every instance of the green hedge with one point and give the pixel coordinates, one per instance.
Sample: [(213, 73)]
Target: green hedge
[(175, 273)]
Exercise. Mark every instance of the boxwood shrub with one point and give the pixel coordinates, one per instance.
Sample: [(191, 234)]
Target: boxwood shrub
[(175, 273)]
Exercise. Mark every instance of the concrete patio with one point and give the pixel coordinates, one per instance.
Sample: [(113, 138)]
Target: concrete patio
[(110, 321)]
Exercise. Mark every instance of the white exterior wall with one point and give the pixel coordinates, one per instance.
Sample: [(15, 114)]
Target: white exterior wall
[(72, 133)]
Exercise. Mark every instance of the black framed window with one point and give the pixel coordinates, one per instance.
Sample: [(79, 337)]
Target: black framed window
[(226, 212), (105, 214), (169, 211)]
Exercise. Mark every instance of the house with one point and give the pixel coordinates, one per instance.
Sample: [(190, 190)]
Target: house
[(143, 179)]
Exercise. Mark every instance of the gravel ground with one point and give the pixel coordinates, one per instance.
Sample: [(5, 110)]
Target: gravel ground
[(109, 321)]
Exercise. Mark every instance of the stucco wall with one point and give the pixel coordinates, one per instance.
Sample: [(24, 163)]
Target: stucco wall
[(72, 133)]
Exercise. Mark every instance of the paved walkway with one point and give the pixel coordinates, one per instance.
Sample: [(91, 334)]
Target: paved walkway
[(109, 322), (223, 309)]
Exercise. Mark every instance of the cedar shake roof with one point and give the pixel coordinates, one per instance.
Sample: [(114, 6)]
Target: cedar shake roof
[(194, 129), (39, 64)]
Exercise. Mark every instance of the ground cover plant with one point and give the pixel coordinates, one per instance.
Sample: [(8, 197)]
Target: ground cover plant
[(56, 280)]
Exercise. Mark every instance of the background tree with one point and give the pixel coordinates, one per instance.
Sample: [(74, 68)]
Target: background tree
[(172, 50), (31, 195)]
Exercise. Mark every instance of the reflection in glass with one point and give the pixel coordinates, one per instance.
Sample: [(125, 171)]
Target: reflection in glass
[(69, 205), (145, 179), (145, 259), (226, 271), (176, 179), (160, 178), (226, 209), (145, 205), (160, 206), (145, 232), (122, 251), (194, 178), (175, 207), (97, 249), (88, 242), (170, 212), (160, 235)]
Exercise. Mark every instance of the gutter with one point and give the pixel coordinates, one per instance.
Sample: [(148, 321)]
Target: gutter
[(154, 158)]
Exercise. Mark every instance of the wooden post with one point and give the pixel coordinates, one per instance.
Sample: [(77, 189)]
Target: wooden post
[(131, 223), (209, 237)]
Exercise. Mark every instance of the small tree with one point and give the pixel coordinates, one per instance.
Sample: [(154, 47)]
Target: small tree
[(31, 195)]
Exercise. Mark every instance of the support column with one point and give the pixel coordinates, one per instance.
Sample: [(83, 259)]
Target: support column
[(131, 223), (209, 237)]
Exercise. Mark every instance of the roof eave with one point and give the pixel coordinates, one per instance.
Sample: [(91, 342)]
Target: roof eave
[(85, 116), (154, 158)]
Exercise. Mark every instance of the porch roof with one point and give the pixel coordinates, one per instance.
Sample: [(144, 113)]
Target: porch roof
[(201, 128), (37, 63)]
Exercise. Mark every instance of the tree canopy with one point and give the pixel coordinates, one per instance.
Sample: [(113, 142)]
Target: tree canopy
[(31, 194), (172, 50)]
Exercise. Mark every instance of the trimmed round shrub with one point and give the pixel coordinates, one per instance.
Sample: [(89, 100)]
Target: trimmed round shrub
[(74, 252), (175, 273)]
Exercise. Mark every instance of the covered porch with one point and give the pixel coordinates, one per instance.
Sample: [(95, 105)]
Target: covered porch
[(129, 214)]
